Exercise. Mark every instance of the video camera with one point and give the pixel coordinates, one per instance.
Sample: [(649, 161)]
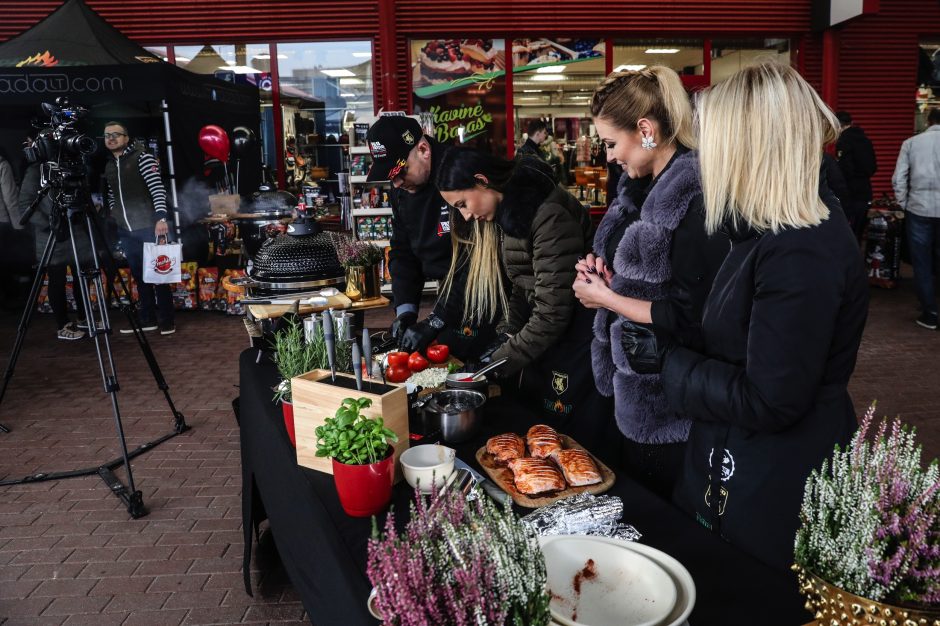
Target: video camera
[(60, 141)]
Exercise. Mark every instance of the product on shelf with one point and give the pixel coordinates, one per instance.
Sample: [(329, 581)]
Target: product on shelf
[(208, 287), (184, 292)]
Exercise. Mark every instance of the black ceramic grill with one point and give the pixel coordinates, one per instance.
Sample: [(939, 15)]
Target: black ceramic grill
[(303, 258)]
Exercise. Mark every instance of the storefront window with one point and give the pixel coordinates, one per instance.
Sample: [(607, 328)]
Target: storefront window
[(730, 55), (553, 80), (324, 88), (247, 64), (685, 56), (461, 83), (159, 51), (928, 81)]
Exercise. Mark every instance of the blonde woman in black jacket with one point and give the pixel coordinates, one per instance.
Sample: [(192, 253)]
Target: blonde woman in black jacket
[(768, 393)]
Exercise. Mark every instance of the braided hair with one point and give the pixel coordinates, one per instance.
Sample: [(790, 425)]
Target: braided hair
[(656, 93)]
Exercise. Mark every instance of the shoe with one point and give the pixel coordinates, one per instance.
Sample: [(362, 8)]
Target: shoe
[(928, 321), (83, 325), (167, 329), (144, 326), (70, 333)]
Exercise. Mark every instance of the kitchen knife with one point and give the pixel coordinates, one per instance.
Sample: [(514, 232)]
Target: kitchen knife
[(330, 340), (488, 485), (367, 351), (357, 365)]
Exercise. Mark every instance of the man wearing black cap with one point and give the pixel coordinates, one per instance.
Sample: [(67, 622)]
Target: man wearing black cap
[(420, 243)]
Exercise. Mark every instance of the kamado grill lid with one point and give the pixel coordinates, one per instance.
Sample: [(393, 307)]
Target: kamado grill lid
[(269, 201), (303, 257)]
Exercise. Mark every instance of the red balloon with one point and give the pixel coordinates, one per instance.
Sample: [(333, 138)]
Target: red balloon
[(214, 141)]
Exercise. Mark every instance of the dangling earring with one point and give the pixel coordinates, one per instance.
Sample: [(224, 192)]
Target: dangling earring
[(648, 143)]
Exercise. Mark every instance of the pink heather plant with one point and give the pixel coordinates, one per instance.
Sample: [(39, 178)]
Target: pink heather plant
[(871, 518), (458, 563)]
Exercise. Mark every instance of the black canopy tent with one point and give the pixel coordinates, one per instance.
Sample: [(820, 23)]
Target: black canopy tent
[(74, 52)]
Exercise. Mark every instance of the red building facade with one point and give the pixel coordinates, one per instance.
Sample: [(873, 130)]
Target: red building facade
[(867, 65)]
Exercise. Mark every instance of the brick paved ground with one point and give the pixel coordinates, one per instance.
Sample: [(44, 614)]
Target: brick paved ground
[(70, 555)]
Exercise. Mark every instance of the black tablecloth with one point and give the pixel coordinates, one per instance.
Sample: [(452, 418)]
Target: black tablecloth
[(324, 550)]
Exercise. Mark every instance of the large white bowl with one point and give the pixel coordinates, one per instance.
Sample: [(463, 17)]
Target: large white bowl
[(684, 586), (422, 464)]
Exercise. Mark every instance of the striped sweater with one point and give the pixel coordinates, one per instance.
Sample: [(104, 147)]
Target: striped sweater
[(136, 195)]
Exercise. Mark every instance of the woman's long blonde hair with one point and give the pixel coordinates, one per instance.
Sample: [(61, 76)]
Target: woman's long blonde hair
[(657, 93), (761, 135), (485, 295)]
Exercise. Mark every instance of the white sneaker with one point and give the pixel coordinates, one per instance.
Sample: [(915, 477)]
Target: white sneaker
[(70, 333)]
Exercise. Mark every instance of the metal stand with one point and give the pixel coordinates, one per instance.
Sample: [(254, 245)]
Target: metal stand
[(80, 206)]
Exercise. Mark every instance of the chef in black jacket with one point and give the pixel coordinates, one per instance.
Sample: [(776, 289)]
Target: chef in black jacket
[(420, 244)]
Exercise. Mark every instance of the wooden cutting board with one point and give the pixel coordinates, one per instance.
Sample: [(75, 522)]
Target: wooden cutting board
[(502, 476), (339, 301)]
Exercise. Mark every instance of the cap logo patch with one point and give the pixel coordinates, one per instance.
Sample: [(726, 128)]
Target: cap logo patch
[(377, 148), (408, 138), (392, 173)]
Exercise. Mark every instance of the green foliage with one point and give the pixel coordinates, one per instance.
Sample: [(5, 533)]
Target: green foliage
[(295, 356), (292, 356), (352, 438)]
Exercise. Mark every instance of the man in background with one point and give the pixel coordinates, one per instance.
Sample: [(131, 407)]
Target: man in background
[(916, 189), (537, 134), (856, 156), (137, 201)]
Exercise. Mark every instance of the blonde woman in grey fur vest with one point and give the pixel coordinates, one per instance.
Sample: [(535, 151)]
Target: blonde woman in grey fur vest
[(653, 263)]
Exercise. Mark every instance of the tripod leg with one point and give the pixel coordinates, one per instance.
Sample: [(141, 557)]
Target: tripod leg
[(94, 223), (27, 315), (130, 495)]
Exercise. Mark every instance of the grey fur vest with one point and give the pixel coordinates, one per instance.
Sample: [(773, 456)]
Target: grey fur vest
[(642, 270)]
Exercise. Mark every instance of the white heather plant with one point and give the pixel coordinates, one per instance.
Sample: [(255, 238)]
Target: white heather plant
[(871, 518)]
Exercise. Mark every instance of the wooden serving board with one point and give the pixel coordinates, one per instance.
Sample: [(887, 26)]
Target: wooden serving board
[(339, 301), (502, 476)]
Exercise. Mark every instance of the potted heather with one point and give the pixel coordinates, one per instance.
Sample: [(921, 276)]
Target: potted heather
[(868, 549), (458, 561), (363, 457), (293, 357), (361, 260)]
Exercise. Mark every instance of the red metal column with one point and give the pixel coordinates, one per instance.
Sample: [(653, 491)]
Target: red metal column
[(278, 122), (608, 56), (510, 113), (171, 55), (830, 69), (386, 44), (707, 61)]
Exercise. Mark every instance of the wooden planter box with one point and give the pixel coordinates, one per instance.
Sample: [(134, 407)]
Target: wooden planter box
[(316, 397)]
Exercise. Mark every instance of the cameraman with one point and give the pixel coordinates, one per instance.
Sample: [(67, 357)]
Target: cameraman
[(137, 200), (62, 255)]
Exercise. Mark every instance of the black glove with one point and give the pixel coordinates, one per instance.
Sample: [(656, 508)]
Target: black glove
[(486, 356), (418, 337), (646, 348), (401, 324)]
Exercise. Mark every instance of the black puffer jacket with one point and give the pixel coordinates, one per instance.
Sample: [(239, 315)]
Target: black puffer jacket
[(768, 395), (545, 230)]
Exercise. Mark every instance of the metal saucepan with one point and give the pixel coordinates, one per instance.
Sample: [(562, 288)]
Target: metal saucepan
[(456, 412)]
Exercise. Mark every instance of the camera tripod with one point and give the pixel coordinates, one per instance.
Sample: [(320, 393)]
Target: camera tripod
[(70, 206)]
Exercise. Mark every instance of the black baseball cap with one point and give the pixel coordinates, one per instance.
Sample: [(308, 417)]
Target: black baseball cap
[(391, 139)]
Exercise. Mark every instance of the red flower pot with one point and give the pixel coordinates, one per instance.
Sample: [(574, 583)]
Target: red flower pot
[(288, 409), (365, 490)]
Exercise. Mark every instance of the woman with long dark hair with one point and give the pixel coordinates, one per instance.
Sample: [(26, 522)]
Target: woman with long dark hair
[(523, 235)]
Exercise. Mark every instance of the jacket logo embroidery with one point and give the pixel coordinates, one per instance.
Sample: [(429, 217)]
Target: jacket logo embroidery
[(443, 228), (559, 382), (722, 498), (727, 464)]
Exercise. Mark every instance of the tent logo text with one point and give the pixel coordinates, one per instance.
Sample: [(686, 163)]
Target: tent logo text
[(58, 84), (39, 60)]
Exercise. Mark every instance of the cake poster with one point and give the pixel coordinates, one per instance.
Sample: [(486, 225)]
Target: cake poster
[(529, 54), (461, 84)]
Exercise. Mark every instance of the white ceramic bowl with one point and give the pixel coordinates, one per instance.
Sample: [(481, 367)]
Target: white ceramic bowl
[(421, 463)]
